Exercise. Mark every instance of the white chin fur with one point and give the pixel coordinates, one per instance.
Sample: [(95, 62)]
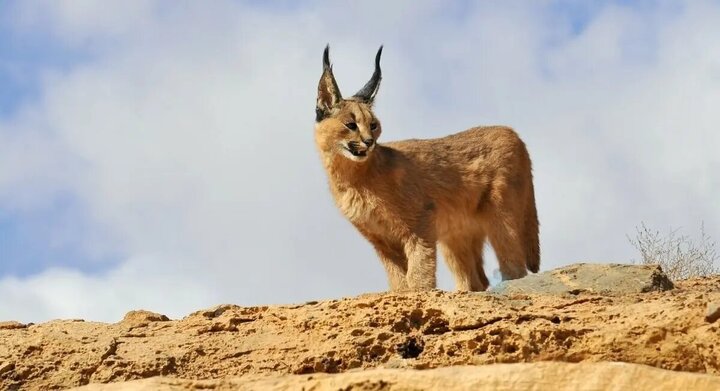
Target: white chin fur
[(352, 157)]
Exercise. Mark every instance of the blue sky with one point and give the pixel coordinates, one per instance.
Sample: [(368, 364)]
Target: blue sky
[(26, 235), (26, 244), (151, 145), (25, 56)]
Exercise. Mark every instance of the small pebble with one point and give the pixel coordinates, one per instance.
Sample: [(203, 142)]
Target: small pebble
[(713, 312)]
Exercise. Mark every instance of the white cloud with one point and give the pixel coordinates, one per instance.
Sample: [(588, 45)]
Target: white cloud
[(142, 282), (85, 22), (189, 136)]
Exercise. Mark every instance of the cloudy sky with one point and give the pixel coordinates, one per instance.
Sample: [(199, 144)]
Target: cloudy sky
[(160, 155)]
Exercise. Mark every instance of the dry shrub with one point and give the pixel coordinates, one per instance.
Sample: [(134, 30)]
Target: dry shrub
[(678, 255)]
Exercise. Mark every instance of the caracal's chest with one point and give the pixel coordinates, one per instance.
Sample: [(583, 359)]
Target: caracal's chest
[(366, 209)]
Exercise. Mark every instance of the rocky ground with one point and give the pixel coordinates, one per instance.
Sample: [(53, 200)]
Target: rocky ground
[(589, 314)]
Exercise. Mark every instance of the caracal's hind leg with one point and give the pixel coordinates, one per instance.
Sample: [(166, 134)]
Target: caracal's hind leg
[(461, 256), (479, 246), (505, 232)]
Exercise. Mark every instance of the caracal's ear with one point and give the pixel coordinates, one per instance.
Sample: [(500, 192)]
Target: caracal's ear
[(368, 92), (328, 92)]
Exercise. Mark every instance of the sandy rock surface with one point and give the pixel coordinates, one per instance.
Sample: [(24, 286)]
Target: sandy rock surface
[(663, 329), (543, 376)]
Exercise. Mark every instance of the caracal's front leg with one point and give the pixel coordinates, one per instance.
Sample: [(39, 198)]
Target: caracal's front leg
[(393, 259), (421, 258), (395, 265)]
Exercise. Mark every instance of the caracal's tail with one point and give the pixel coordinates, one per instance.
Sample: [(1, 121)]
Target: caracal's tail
[(531, 240)]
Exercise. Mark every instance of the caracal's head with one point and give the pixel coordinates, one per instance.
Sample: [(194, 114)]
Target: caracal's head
[(346, 127)]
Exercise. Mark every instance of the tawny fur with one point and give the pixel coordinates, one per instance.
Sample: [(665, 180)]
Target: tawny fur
[(406, 197)]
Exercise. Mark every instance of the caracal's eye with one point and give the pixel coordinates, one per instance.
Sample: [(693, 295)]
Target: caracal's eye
[(351, 125), (373, 126)]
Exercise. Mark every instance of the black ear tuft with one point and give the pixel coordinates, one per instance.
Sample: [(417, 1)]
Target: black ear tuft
[(328, 92), (326, 57), (368, 92)]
